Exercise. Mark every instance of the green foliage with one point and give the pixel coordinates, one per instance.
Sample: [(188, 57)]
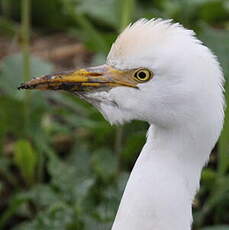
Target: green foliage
[(62, 166), (218, 41), (101, 166), (25, 159), (217, 227), (11, 74)]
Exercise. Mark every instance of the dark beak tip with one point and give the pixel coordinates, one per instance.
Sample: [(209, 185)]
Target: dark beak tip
[(23, 86)]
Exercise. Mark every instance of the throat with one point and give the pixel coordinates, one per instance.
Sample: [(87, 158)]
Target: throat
[(163, 183)]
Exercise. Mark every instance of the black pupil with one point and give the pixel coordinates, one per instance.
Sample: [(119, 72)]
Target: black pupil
[(142, 75)]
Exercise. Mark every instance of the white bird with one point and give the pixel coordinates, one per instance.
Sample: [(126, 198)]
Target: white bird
[(159, 72)]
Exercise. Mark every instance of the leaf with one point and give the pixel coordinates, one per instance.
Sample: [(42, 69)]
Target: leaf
[(43, 195), (10, 109), (214, 11), (80, 159), (133, 145), (105, 11), (217, 40), (26, 160), (216, 200), (18, 115), (15, 203), (92, 35), (105, 163), (58, 217), (11, 73), (208, 178), (216, 227), (67, 179), (91, 223)]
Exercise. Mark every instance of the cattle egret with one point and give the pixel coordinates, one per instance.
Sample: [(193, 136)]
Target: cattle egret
[(159, 72)]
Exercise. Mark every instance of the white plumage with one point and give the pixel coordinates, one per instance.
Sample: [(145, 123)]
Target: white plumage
[(184, 105)]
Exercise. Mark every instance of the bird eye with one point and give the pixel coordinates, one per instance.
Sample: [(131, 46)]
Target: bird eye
[(143, 75)]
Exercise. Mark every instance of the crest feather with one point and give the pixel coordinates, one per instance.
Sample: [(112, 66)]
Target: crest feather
[(146, 34)]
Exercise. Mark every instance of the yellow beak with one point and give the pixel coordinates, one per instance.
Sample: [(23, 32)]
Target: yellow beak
[(82, 80)]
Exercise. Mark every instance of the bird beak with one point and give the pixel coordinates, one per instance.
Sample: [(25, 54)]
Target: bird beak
[(82, 80)]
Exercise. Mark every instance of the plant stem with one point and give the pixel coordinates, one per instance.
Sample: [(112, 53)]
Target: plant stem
[(25, 38), (87, 26), (127, 9), (5, 4)]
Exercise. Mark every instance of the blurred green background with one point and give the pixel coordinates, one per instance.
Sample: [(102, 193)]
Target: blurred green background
[(62, 166)]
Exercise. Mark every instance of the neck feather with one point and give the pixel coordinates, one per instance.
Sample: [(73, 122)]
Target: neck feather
[(164, 180)]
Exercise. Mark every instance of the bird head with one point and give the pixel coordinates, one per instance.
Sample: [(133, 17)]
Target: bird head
[(156, 71)]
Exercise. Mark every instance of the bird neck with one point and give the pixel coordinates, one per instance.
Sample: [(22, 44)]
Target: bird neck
[(164, 180)]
